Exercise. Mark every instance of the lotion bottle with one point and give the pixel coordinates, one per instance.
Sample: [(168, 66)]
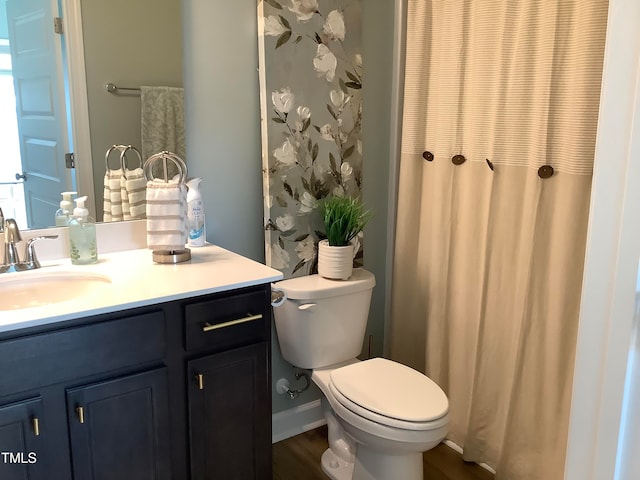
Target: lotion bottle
[(63, 214), (83, 247), (195, 214)]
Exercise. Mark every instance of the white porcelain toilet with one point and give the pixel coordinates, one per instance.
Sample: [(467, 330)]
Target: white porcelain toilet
[(381, 415)]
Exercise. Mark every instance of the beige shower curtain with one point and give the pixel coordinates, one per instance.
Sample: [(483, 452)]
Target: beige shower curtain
[(490, 244)]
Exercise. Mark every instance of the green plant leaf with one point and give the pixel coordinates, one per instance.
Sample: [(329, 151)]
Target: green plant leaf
[(343, 219)]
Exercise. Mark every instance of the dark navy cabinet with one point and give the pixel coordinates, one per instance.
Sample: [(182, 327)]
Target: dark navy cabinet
[(174, 391)]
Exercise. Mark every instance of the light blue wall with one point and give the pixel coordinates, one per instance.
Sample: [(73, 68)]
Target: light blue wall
[(223, 138)]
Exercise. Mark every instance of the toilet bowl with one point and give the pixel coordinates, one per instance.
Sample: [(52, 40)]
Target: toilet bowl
[(381, 415)]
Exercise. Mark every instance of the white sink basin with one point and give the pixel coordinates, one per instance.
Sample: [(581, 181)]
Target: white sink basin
[(39, 287)]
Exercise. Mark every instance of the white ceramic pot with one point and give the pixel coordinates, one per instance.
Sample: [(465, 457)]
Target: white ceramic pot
[(335, 263)]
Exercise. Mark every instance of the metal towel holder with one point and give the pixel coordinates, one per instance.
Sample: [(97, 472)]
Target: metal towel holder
[(168, 256)]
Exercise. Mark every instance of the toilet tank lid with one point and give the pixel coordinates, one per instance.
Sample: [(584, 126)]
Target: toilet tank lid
[(312, 287)]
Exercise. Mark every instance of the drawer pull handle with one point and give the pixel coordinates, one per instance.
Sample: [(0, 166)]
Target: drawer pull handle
[(207, 327), (80, 413), (36, 426), (200, 380)]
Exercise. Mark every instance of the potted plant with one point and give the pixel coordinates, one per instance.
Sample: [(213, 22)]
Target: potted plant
[(344, 218)]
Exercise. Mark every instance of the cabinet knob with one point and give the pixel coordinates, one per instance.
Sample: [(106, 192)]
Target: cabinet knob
[(36, 426), (80, 413), (200, 380)]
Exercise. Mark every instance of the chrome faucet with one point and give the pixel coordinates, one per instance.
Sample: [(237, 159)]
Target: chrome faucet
[(11, 261)]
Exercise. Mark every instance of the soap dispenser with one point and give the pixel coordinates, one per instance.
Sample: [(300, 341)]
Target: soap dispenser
[(63, 214), (83, 247)]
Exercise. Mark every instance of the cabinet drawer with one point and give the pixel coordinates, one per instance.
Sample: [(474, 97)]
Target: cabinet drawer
[(226, 321), (48, 358)]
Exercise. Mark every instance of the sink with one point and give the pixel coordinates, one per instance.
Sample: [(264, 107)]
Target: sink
[(38, 288)]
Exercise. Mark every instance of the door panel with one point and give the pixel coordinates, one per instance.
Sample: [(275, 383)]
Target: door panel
[(21, 442), (122, 429), (230, 415), (38, 72)]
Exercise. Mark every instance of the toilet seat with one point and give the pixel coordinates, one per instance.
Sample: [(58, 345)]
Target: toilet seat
[(389, 393)]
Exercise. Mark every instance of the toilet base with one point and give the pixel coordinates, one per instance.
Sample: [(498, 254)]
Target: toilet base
[(335, 467)]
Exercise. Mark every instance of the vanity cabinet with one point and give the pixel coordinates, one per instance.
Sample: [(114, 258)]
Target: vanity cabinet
[(107, 419), (177, 390), (20, 439)]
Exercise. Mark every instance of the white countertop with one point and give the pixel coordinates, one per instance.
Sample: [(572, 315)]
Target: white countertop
[(136, 281)]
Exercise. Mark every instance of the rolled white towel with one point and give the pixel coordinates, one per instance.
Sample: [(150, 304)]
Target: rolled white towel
[(166, 215), (112, 197), (135, 187)]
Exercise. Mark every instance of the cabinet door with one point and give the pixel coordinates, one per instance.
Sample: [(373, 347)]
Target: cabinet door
[(22, 454), (120, 428), (230, 415)]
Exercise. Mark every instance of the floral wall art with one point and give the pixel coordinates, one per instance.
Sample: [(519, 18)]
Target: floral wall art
[(310, 86)]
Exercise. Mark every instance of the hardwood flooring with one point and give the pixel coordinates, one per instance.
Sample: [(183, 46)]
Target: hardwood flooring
[(298, 458)]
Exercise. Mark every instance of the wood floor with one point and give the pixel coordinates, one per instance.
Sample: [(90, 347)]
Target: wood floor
[(298, 458)]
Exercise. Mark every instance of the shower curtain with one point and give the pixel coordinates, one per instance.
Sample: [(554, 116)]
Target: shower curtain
[(500, 114)]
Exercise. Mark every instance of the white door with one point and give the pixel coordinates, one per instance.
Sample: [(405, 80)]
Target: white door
[(37, 64)]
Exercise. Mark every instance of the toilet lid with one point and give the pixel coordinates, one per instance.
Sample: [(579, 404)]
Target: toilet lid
[(390, 389)]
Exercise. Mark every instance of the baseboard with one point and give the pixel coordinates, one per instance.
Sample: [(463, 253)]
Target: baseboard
[(296, 420), (458, 449)]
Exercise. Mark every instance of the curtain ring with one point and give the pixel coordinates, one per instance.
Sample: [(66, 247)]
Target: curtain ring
[(428, 156), (545, 171), (490, 164), (458, 159)]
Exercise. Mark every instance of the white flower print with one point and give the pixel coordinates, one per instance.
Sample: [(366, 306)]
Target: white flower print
[(346, 170), (283, 100), (285, 222), (334, 28), (273, 26), (338, 98), (286, 153), (326, 132), (358, 59), (307, 203), (304, 9), (306, 250), (303, 112), (325, 62), (279, 257), (338, 191), (359, 146)]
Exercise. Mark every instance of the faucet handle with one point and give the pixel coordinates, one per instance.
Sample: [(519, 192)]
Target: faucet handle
[(31, 259)]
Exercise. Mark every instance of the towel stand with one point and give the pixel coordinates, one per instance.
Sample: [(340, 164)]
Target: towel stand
[(168, 256)]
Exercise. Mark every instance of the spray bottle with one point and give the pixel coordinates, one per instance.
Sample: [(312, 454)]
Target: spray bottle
[(63, 214), (195, 214)]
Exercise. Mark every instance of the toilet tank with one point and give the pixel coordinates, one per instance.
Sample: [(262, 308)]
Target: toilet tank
[(322, 322)]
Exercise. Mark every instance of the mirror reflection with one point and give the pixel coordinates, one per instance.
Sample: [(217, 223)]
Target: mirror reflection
[(51, 82)]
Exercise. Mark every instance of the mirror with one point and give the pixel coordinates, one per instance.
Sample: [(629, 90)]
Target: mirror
[(129, 43)]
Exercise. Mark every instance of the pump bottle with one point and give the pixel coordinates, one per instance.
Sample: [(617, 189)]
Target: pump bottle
[(83, 247), (63, 214)]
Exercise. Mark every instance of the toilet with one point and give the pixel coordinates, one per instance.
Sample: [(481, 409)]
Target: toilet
[(381, 415)]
